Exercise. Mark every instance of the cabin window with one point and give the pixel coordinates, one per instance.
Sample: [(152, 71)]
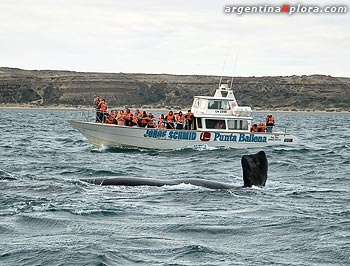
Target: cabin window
[(244, 124), (218, 104), (215, 124), (202, 104), (232, 124), (237, 124), (224, 93), (196, 103), (199, 122)]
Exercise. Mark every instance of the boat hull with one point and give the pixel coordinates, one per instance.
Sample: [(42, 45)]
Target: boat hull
[(107, 135)]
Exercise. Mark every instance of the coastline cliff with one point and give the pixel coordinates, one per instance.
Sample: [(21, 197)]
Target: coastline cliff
[(41, 88)]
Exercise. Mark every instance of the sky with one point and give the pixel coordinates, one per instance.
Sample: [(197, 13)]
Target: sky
[(173, 37)]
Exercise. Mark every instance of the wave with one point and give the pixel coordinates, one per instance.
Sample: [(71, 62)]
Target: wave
[(182, 186), (41, 223), (194, 251), (182, 151), (89, 172), (98, 212), (6, 175), (7, 229), (316, 193)]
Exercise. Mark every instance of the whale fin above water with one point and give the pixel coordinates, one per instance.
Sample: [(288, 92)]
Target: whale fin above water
[(254, 174), (254, 169)]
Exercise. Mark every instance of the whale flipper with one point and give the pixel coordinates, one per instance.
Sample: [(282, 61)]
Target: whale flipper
[(254, 169)]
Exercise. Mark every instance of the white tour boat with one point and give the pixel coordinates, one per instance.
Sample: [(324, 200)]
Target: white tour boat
[(218, 122)]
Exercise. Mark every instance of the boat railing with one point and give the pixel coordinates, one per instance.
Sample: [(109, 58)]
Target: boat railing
[(279, 129)]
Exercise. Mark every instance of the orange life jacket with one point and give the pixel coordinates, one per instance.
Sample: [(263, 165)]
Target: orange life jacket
[(120, 117), (144, 119), (135, 119), (262, 127), (180, 118), (150, 120), (170, 118), (103, 106), (189, 116), (110, 119), (128, 116), (254, 128), (270, 121)]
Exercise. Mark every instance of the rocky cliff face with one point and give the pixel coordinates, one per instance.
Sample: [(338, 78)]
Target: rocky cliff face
[(47, 88)]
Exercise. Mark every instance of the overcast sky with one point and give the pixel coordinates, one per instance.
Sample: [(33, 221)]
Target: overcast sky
[(172, 36)]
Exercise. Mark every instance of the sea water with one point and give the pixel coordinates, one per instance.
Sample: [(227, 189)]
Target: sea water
[(49, 217)]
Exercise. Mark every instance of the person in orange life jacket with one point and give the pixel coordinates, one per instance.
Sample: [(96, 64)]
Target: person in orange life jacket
[(150, 122), (180, 117), (254, 128), (135, 121), (189, 120), (128, 116), (103, 106), (170, 120), (270, 122), (262, 127), (114, 114), (97, 109), (120, 118), (143, 120), (137, 117), (138, 112), (111, 118), (161, 121)]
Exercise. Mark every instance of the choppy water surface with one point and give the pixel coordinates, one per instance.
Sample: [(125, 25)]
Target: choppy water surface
[(48, 217)]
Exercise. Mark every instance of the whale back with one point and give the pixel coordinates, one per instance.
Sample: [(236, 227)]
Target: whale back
[(255, 168), (254, 174)]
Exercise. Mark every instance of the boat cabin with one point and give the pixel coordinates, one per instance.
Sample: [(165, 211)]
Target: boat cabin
[(221, 112)]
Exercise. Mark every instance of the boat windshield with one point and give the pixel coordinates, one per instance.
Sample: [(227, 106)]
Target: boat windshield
[(218, 104)]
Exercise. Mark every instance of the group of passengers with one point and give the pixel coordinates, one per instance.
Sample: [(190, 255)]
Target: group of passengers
[(141, 118), (264, 127)]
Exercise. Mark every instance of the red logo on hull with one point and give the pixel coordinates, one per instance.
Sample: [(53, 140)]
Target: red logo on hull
[(205, 136)]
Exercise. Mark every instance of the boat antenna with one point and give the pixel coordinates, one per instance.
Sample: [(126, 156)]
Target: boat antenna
[(234, 70), (223, 67)]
